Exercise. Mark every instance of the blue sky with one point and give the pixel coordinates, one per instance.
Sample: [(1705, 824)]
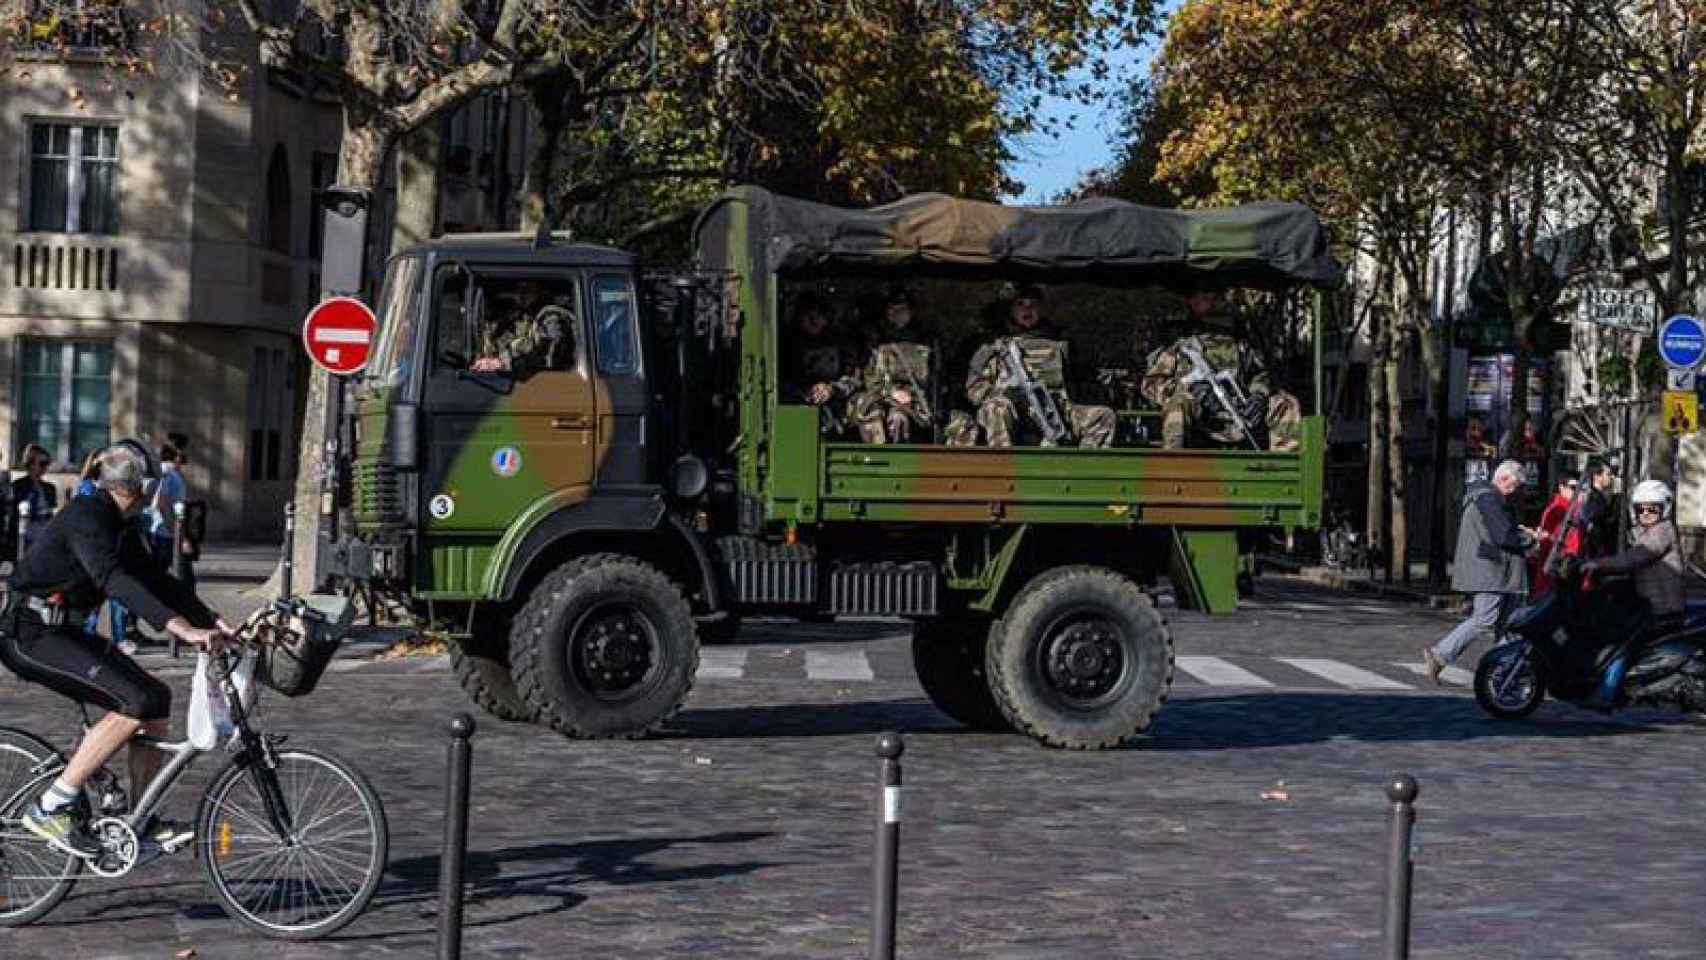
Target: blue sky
[(1046, 166)]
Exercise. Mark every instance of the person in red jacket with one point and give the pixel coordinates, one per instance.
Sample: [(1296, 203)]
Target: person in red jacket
[(1551, 522)]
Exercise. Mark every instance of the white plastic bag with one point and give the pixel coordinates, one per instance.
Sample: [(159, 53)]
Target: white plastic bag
[(210, 715)]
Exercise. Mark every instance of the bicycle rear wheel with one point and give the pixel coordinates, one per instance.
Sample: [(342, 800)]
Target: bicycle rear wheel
[(34, 877), (321, 876)]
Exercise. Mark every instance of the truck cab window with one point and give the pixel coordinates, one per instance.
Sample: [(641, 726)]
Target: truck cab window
[(520, 325), (613, 319)]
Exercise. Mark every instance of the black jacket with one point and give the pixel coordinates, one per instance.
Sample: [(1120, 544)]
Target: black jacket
[(89, 552)]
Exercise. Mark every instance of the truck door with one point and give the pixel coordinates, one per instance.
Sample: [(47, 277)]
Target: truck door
[(625, 427), (510, 402)]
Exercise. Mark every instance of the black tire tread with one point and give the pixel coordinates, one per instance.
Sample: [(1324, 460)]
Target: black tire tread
[(527, 659), (1033, 594), (1484, 698), (964, 697), (486, 679)]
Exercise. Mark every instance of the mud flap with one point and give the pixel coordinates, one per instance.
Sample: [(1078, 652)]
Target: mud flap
[(1204, 566)]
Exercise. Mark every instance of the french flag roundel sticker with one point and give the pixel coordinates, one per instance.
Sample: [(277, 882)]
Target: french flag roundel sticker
[(506, 461)]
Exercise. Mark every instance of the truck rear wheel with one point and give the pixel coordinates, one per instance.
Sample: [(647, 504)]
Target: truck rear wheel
[(604, 648), (1081, 659), (481, 665), (948, 656)]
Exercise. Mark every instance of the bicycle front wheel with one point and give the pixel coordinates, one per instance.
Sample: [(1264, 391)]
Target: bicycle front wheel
[(321, 872)]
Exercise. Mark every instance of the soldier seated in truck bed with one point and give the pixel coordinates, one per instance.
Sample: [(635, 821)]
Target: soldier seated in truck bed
[(816, 365), (896, 402)]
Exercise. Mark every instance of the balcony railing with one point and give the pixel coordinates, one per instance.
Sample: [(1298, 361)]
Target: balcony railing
[(46, 265)]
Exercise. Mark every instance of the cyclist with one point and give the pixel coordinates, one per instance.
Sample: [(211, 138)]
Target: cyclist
[(91, 550)]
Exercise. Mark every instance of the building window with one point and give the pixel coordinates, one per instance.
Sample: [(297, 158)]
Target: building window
[(73, 178), (272, 391), (278, 201), (65, 394), (322, 173)]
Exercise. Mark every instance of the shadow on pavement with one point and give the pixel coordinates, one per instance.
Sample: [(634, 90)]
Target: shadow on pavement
[(1234, 722), (544, 870)]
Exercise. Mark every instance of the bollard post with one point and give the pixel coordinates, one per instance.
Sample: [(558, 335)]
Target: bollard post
[(23, 527), (1400, 870), (180, 566), (886, 875), (455, 853), (289, 549)]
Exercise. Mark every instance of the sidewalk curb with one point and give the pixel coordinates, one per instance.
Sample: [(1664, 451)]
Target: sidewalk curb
[(1333, 579)]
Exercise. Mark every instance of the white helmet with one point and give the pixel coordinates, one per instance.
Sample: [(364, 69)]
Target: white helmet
[(1651, 491)]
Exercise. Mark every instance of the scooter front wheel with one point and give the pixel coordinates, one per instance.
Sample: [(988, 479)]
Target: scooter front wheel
[(1507, 685)]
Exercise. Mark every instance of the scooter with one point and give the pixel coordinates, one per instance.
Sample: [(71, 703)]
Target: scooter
[(1600, 649)]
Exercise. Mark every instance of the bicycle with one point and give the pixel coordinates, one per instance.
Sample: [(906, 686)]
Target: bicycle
[(293, 841)]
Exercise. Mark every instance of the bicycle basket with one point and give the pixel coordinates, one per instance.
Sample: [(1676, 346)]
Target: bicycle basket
[(297, 639)]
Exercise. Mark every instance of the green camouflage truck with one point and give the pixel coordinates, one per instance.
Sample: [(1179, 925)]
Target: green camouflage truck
[(578, 523)]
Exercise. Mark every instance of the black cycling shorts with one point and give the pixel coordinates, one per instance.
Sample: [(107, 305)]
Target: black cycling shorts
[(84, 667)]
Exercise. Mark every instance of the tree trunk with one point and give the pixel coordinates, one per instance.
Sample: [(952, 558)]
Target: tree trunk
[(1398, 488), (418, 193), (548, 97), (1440, 512), (359, 158), (1377, 446)]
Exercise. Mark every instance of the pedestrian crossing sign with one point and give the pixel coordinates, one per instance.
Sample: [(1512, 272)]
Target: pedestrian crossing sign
[(1682, 411)]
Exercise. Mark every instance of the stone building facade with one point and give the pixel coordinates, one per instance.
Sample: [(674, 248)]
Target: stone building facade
[(160, 248)]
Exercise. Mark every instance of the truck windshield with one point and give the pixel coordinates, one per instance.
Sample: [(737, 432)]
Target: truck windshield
[(388, 369)]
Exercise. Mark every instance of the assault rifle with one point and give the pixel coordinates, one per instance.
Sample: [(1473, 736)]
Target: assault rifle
[(1037, 398), (1221, 383)]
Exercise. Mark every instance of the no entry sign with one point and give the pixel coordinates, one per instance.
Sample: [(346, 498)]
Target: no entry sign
[(338, 334)]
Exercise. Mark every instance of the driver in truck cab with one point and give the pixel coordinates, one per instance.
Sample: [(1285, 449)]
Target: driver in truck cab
[(535, 334)]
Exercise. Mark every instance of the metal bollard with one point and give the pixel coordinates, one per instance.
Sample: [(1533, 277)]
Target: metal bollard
[(289, 549), (886, 878), (1400, 870), (455, 853), (180, 566), (23, 527)]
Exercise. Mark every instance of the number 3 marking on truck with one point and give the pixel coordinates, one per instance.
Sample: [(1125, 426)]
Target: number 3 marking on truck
[(442, 506)]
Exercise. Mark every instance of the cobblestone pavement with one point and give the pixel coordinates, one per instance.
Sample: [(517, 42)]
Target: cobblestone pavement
[(745, 831)]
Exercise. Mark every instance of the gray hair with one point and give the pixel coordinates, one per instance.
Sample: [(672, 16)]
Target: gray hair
[(1510, 468), (122, 471)]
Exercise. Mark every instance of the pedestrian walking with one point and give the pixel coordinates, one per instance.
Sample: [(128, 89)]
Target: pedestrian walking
[(162, 520), (1488, 566), (1551, 528)]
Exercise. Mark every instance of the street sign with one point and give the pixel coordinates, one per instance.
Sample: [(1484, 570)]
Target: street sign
[(1682, 341), (338, 334), (1680, 380), (1682, 412), (1631, 310)]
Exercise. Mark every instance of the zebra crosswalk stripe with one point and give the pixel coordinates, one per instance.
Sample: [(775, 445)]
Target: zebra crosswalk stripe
[(1453, 675), (1219, 673), (716, 663), (838, 665), (1343, 674)]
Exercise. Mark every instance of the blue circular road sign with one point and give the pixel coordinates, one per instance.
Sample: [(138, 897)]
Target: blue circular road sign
[(1682, 341)]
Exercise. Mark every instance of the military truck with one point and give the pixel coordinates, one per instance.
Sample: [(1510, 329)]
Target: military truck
[(579, 526)]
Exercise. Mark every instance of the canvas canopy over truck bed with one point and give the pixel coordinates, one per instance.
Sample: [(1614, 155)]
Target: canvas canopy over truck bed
[(1101, 241)]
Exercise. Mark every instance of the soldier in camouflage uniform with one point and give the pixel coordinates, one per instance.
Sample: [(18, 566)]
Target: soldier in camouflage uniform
[(1190, 411), (1045, 359), (537, 335), (815, 367), (896, 403)]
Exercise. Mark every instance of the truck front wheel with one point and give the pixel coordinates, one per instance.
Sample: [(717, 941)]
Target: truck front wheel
[(948, 656), (605, 648), (1081, 659), (481, 665)]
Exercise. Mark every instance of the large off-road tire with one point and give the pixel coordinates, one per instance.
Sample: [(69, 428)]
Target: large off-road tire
[(948, 656), (1081, 659), (481, 665), (604, 648)]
